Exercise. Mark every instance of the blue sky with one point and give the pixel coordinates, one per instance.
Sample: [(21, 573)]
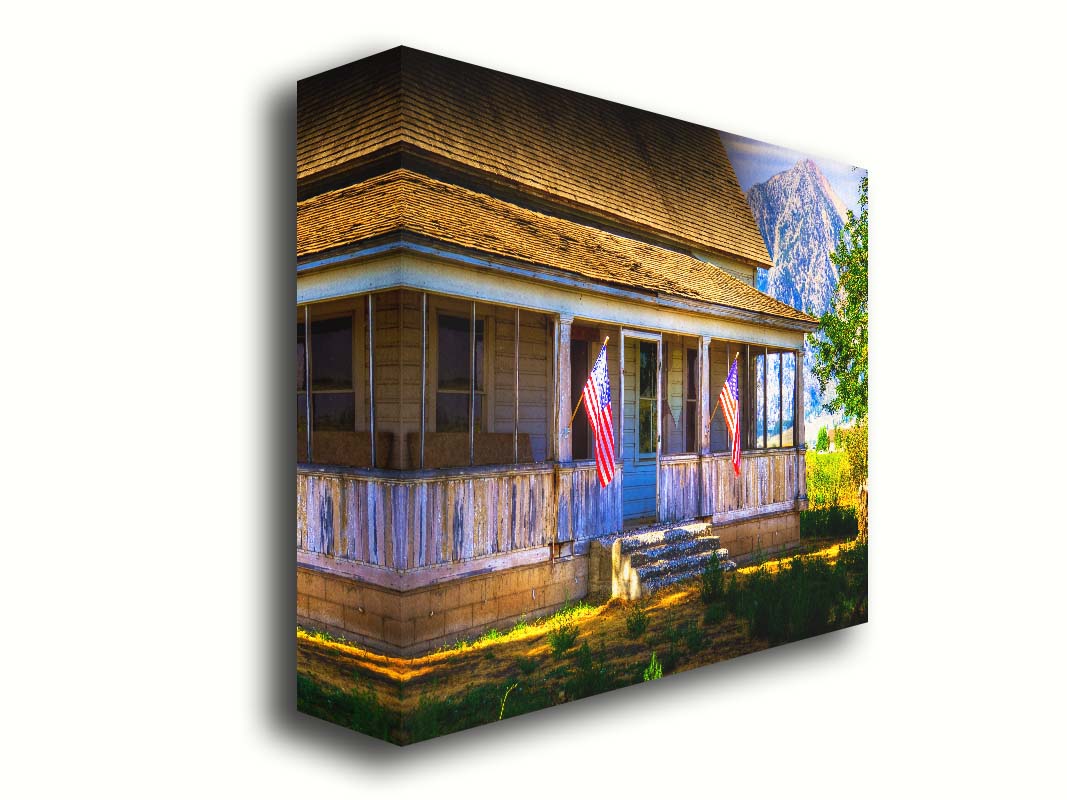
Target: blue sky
[(755, 161)]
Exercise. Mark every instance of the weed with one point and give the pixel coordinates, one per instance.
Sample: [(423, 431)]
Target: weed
[(712, 580), (562, 637), (826, 523), (693, 636), (504, 701), (591, 676), (654, 670), (806, 597), (672, 633), (490, 635), (357, 709), (520, 626), (636, 620), (526, 665), (714, 614)]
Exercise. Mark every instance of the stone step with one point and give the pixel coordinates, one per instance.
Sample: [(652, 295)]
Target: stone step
[(640, 541), (655, 584), (681, 564), (632, 566), (676, 549)]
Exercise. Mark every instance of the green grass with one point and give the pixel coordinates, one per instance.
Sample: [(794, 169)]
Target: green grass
[(562, 637), (358, 709), (828, 523), (636, 620), (805, 598)]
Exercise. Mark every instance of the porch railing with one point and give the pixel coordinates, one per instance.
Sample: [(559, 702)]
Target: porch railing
[(423, 519), (705, 486)]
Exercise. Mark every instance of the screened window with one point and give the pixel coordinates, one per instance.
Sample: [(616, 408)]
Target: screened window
[(333, 405), (774, 401), (454, 374), (691, 390)]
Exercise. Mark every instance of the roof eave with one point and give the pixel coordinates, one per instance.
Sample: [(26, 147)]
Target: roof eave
[(403, 241)]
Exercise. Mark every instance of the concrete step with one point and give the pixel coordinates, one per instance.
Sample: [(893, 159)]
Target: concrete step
[(676, 549), (632, 566), (676, 533), (680, 564)]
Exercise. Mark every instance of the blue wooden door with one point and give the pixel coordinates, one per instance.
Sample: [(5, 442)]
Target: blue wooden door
[(641, 436)]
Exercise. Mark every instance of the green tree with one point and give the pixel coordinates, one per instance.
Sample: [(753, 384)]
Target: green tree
[(822, 443), (840, 344)]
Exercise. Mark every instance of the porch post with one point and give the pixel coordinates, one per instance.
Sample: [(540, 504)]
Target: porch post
[(515, 421), (370, 341), (800, 442), (563, 382), (705, 395), (307, 379), (474, 330), (422, 393)]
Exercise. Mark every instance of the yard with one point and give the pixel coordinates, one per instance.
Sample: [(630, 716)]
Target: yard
[(584, 649)]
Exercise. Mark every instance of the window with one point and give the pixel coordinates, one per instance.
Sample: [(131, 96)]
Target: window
[(454, 374), (333, 403), (691, 391), (773, 404), (646, 412)]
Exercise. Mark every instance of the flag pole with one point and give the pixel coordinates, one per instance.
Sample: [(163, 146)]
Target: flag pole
[(581, 396)]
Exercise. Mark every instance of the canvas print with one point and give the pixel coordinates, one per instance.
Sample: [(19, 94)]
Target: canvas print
[(581, 396)]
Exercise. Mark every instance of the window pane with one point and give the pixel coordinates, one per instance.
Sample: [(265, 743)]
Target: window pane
[(691, 373), (301, 366), (452, 412), (454, 354), (691, 426), (335, 411), (758, 387), (774, 407), (648, 369), (789, 370), (646, 422), (331, 354)]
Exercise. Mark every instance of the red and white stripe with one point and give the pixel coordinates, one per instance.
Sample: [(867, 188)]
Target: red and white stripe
[(597, 399)]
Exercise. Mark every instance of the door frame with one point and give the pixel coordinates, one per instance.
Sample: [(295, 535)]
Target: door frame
[(647, 336)]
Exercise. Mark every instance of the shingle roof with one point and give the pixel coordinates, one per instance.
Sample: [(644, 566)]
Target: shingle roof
[(636, 167), (406, 201)]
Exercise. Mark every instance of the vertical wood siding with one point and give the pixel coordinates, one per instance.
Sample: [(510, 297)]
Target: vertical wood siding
[(766, 479), (679, 489), (584, 509), (426, 521)]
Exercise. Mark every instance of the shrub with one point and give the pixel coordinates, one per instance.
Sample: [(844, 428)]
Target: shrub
[(357, 709), (711, 580), (714, 614), (822, 441), (805, 598), (562, 637), (672, 633), (820, 523), (636, 620), (654, 670), (591, 676), (526, 665), (693, 636)]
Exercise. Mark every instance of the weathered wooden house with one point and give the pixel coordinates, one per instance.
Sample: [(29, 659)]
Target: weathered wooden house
[(465, 242)]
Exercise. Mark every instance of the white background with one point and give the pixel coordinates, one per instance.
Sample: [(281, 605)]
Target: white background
[(148, 249)]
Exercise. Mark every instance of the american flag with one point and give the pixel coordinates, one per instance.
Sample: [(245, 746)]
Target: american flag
[(731, 411), (597, 399)]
